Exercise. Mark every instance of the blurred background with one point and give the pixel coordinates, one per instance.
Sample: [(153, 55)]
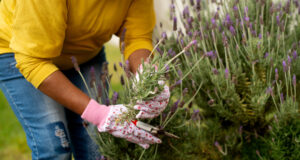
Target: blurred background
[(12, 137)]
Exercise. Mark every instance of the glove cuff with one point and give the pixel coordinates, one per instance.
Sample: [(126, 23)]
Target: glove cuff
[(95, 113)]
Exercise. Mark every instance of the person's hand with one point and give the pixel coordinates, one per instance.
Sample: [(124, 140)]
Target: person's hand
[(106, 118), (153, 108)]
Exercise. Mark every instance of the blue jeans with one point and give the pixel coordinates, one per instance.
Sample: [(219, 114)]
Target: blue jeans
[(52, 131)]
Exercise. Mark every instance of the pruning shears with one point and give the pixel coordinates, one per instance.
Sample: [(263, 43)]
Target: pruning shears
[(151, 129)]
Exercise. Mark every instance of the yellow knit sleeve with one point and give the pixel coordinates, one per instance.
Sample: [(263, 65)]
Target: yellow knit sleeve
[(139, 24), (38, 32)]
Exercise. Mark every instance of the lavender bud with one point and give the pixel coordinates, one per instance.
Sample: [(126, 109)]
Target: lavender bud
[(215, 71), (179, 72), (295, 55), (167, 68), (115, 97), (261, 20), (107, 102), (294, 80), (174, 107), (284, 66), (99, 89), (278, 20), (195, 115), (260, 36), (226, 73), (93, 74), (266, 55), (246, 10), (121, 64), (198, 5), (270, 91), (74, 61), (219, 147), (211, 102), (289, 61), (174, 24), (193, 42), (185, 90), (192, 2), (232, 30), (281, 97), (164, 35), (276, 74)]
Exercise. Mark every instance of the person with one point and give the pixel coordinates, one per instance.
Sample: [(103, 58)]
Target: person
[(37, 39)]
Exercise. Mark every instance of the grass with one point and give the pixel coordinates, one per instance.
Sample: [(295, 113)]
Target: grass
[(12, 137)]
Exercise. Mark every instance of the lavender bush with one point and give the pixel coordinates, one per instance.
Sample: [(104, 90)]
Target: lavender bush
[(233, 74)]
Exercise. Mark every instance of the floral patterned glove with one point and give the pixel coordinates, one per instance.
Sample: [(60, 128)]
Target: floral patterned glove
[(153, 108), (106, 119)]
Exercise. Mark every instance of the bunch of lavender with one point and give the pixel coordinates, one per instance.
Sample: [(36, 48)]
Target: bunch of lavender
[(245, 63)]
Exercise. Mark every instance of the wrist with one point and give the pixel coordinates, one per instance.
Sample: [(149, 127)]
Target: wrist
[(95, 113)]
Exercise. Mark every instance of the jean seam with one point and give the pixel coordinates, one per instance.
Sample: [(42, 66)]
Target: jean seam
[(21, 116)]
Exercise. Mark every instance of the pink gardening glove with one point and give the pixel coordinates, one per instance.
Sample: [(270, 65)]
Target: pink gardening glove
[(104, 117), (153, 108)]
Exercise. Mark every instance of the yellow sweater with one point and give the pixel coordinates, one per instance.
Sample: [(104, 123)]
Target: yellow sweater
[(44, 34)]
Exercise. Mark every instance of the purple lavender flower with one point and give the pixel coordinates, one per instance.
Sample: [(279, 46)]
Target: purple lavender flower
[(278, 20), (247, 19), (185, 91), (74, 61), (167, 68), (281, 97), (174, 24), (198, 5), (246, 10), (284, 66), (219, 147), (235, 8), (211, 54), (266, 54), (289, 61), (195, 115), (260, 36), (276, 74), (193, 42), (232, 30), (294, 80), (115, 97), (295, 55), (179, 72), (213, 21), (186, 12), (192, 2), (174, 107), (215, 71), (228, 20), (121, 64), (226, 73), (164, 35), (270, 91), (93, 74), (107, 102)]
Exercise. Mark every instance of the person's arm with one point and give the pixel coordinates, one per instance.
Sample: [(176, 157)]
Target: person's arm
[(59, 88), (139, 24), (37, 37)]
